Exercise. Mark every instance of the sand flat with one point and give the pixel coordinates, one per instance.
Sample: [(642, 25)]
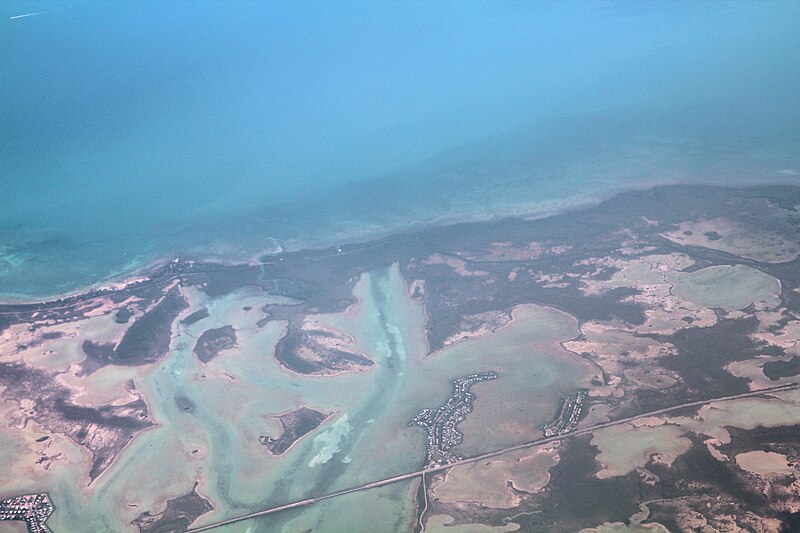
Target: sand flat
[(765, 463), (727, 286), (486, 481), (734, 237)]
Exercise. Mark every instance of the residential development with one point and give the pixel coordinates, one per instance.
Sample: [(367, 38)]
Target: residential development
[(441, 423), (568, 414), (33, 509)]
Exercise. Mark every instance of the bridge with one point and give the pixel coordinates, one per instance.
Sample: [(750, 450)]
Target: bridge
[(530, 444)]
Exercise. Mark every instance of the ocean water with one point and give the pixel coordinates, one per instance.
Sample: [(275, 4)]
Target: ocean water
[(133, 131)]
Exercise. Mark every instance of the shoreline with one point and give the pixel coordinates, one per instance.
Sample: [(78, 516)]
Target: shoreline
[(119, 282), (322, 290)]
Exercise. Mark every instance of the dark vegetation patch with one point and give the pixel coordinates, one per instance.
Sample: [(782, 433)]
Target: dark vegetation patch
[(773, 350), (791, 522), (775, 370), (718, 512), (123, 315), (710, 487), (103, 430), (698, 465), (646, 400), (702, 354), (575, 499), (295, 425), (196, 316), (781, 439), (696, 481), (322, 280), (789, 275), (185, 404), (73, 308), (303, 353), (146, 340), (178, 515), (784, 197), (449, 297), (7, 320), (213, 341)]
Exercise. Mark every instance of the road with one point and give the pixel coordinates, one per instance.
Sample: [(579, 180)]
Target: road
[(529, 444)]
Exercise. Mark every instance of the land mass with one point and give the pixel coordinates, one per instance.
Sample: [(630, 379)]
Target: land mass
[(179, 514), (295, 425), (670, 296), (214, 341)]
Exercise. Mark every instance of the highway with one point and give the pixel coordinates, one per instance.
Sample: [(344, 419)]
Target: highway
[(529, 444)]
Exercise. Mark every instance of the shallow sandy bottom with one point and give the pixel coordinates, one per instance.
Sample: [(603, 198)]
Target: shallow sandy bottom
[(232, 401), (624, 448), (727, 286), (761, 462), (486, 481), (439, 524), (736, 238), (377, 441), (619, 527)]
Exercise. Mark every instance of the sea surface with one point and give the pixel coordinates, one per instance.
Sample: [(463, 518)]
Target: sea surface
[(136, 131)]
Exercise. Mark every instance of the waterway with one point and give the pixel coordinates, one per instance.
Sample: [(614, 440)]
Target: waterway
[(209, 416)]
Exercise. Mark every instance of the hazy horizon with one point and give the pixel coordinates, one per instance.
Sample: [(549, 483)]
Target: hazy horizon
[(135, 130)]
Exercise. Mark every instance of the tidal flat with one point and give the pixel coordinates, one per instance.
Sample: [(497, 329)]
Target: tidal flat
[(597, 300), (196, 438)]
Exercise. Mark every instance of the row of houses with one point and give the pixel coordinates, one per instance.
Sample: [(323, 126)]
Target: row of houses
[(33, 509)]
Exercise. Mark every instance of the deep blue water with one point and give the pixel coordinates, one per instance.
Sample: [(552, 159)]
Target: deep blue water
[(133, 131)]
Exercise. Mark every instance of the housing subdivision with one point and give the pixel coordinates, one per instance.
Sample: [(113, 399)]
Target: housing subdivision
[(33, 509), (568, 414), (441, 424)]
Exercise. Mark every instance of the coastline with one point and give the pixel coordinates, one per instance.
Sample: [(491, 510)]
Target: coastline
[(311, 285), (360, 240)]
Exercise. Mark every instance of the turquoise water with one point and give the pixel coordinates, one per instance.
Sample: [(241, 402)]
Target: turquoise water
[(132, 131)]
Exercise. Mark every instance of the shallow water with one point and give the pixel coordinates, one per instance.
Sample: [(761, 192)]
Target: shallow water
[(133, 133), (379, 442), (209, 416)]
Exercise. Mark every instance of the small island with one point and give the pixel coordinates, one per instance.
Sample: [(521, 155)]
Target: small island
[(295, 425)]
